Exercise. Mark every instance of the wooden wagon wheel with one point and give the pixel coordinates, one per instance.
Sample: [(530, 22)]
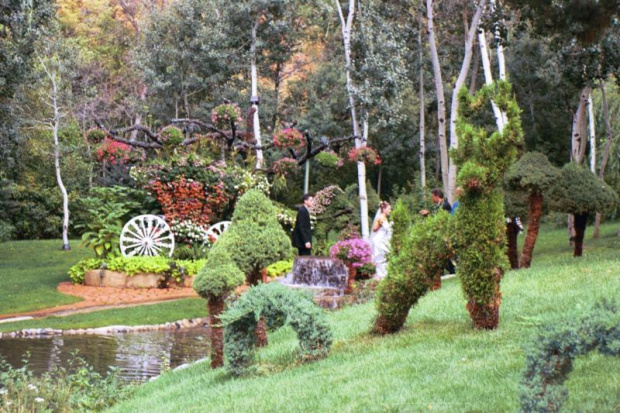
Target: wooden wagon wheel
[(147, 235), (216, 230)]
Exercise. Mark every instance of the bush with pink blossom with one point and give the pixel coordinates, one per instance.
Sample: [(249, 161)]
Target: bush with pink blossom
[(355, 252)]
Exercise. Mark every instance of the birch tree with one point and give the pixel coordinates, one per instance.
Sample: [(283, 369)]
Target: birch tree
[(51, 66), (346, 28)]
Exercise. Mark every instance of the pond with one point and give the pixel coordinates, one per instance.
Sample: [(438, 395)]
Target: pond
[(139, 356)]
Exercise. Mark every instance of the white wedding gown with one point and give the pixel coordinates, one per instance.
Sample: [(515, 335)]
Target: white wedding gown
[(380, 242)]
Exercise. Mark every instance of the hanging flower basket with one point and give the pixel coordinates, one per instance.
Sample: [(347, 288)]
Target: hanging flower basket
[(222, 115), (115, 152), (289, 138), (365, 154), (329, 159), (95, 136), (284, 166), (171, 136)]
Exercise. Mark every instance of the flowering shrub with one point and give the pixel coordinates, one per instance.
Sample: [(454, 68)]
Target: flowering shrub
[(329, 159), (222, 115), (365, 154), (323, 199), (289, 138), (284, 166), (188, 232), (355, 252), (286, 218), (171, 136), (183, 200), (115, 152)]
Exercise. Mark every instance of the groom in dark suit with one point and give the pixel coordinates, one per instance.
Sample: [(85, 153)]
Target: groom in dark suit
[(302, 234)]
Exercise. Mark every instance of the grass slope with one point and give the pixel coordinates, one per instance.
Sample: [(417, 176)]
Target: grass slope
[(30, 272), (438, 362)]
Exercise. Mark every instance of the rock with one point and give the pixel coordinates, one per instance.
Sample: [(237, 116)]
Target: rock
[(92, 278), (144, 281), (113, 279)]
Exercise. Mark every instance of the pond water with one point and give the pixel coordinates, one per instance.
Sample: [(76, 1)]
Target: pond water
[(139, 356)]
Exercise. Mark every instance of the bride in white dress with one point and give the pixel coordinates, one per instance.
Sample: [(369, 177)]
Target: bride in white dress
[(380, 239)]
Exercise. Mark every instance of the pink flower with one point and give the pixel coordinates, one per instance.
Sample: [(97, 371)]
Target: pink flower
[(356, 252)]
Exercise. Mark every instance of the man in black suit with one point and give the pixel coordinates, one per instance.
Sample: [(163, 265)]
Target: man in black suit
[(302, 234), (438, 203)]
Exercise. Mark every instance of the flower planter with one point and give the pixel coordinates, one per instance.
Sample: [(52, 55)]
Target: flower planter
[(115, 279)]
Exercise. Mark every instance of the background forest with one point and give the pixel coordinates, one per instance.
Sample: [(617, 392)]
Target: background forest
[(68, 67)]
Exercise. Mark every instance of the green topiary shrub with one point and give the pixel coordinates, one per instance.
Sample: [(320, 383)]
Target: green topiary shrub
[(516, 205), (402, 218), (214, 282), (483, 159), (532, 174), (550, 359), (413, 271), (279, 306), (255, 239), (171, 136), (581, 193)]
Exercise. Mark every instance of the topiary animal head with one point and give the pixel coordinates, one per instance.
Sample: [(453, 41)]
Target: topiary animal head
[(219, 277)]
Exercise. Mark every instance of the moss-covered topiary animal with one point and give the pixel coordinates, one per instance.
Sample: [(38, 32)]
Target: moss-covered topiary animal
[(214, 282), (483, 159), (413, 271), (581, 193), (550, 359), (534, 175), (279, 306)]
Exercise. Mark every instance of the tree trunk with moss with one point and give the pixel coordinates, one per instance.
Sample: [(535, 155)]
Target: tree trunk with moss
[(512, 232), (216, 307), (533, 226), (580, 229)]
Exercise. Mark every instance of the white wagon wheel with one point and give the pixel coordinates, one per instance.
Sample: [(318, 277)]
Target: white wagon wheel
[(146, 235), (216, 230)]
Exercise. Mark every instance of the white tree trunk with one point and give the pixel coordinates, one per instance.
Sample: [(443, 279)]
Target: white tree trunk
[(607, 151), (454, 107), (579, 142), (441, 100), (254, 75), (55, 125), (488, 77), (359, 142), (591, 134), (422, 112)]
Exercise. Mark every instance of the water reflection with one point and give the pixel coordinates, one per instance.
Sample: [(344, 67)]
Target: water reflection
[(139, 356)]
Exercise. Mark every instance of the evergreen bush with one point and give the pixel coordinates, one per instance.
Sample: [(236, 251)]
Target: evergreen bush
[(214, 282), (534, 175), (255, 238), (279, 306), (402, 218), (413, 271), (483, 159), (550, 358), (581, 193)]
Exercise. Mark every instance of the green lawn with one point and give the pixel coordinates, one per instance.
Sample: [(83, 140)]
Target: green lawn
[(159, 313), (438, 362), (30, 272)]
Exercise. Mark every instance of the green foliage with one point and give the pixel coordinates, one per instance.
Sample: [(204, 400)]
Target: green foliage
[(579, 191), (218, 277), (77, 388), (532, 173), (95, 136), (255, 239), (31, 208), (76, 273), (483, 160), (6, 231), (549, 360), (190, 252), (171, 136), (106, 210), (402, 218), (279, 306), (279, 268), (137, 265), (328, 159), (413, 271)]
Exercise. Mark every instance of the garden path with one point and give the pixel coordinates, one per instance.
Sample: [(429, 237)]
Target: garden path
[(103, 298)]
